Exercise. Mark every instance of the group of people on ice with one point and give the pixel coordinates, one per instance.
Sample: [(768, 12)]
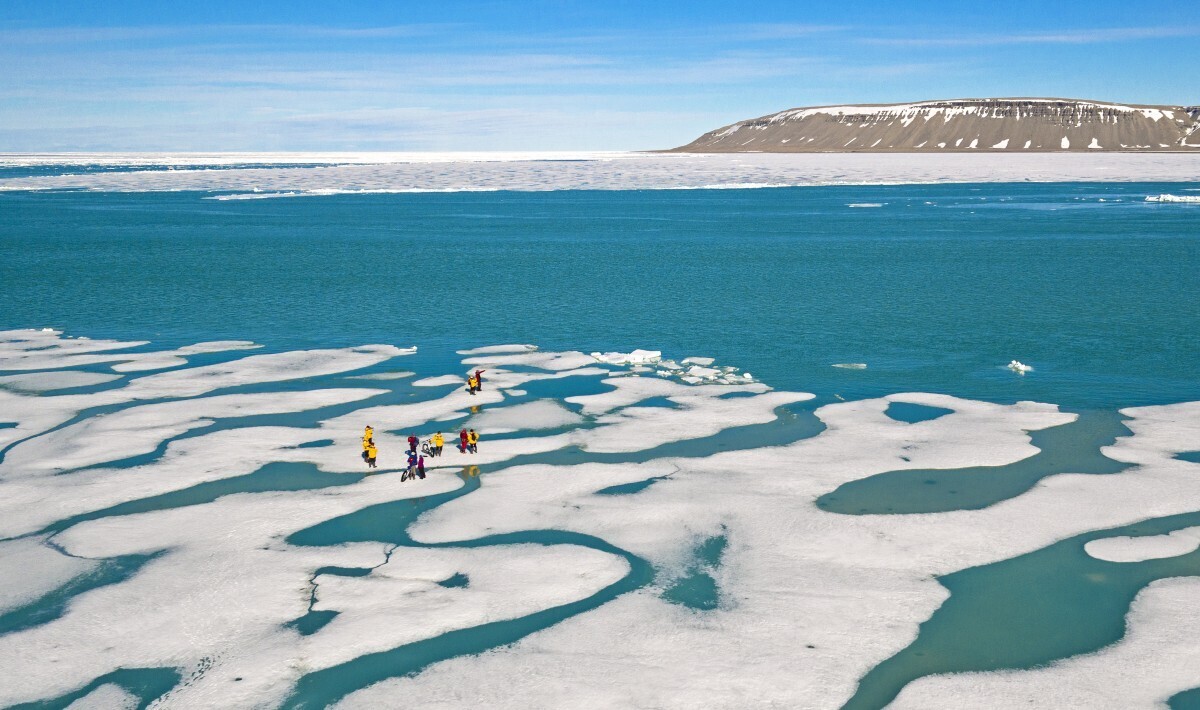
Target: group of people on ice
[(468, 441)]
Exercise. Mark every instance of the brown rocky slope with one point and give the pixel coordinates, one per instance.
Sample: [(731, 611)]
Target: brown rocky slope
[(1016, 124)]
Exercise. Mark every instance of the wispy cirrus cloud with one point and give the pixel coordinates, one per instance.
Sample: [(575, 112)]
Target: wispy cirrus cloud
[(69, 35), (1081, 36)]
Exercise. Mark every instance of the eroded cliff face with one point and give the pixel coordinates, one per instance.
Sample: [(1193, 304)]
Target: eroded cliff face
[(963, 125)]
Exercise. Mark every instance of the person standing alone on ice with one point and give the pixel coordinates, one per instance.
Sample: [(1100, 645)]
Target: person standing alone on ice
[(438, 442)]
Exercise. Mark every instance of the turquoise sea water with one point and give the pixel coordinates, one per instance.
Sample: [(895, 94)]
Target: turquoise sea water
[(1100, 297), (936, 290)]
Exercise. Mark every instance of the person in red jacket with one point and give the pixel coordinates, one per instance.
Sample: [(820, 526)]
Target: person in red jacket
[(479, 380), (462, 441), (412, 443)]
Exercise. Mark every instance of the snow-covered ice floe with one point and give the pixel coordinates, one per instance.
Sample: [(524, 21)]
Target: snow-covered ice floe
[(1195, 199), (156, 476)]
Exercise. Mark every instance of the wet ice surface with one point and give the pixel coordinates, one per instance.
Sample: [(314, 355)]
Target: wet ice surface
[(566, 552)]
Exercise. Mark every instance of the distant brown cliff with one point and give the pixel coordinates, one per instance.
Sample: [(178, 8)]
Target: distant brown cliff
[(963, 125)]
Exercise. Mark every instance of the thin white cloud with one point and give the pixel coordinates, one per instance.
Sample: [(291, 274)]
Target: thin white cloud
[(1081, 36)]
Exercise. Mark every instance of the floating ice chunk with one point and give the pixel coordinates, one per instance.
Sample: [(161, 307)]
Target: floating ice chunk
[(516, 393), (1148, 547), (703, 361), (1066, 143), (851, 365), (499, 349), (637, 357), (1155, 660), (530, 416), (1019, 367), (865, 204), (1173, 198), (49, 381), (1095, 144)]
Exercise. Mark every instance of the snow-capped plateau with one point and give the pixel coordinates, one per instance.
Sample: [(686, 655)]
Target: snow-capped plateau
[(964, 125)]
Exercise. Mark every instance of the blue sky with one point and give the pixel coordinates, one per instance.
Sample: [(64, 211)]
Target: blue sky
[(536, 75)]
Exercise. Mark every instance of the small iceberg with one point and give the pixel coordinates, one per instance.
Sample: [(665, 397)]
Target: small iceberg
[(1194, 199), (1019, 367), (851, 365)]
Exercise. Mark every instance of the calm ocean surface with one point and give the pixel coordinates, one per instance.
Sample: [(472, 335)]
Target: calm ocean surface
[(935, 290)]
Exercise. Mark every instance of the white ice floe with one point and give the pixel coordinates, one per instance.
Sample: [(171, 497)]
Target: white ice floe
[(530, 416), (1173, 198), (139, 430), (175, 358), (637, 357), (851, 365), (499, 349), (1148, 547), (109, 696), (1019, 367), (215, 601), (702, 361), (55, 380), (1157, 658), (47, 349)]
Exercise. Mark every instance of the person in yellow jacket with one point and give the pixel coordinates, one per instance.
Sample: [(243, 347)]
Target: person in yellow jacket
[(368, 436), (371, 452), (438, 442), (472, 384), (473, 441)]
